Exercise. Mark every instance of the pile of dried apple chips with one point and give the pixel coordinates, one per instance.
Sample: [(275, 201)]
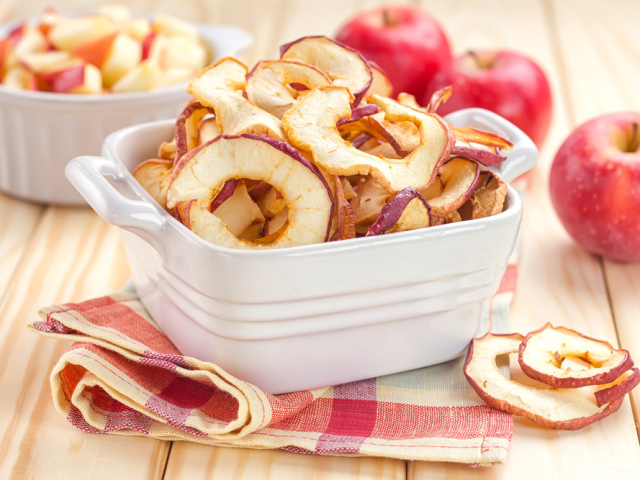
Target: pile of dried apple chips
[(310, 148)]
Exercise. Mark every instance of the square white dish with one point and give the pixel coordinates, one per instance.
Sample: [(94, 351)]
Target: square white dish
[(41, 131), (315, 315)]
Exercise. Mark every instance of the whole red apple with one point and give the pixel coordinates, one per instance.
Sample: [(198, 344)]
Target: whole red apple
[(507, 83), (405, 41), (595, 185)]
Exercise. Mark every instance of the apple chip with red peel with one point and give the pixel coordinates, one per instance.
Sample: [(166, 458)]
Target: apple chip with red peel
[(473, 135), (480, 155), (618, 388), (271, 203), (380, 83), (542, 351), (345, 220), (358, 113), (305, 190), (207, 130), (227, 190), (311, 126), (459, 179), (368, 203), (438, 98), (408, 210), (269, 84), (167, 150), (217, 87), (569, 409), (154, 177), (488, 198), (237, 211), (186, 128), (344, 65)]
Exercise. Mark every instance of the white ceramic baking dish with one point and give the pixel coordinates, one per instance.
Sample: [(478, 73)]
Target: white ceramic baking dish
[(315, 315), (41, 131)]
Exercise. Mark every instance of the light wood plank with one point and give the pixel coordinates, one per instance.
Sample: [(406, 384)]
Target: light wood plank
[(199, 462), (558, 282), (604, 35), (17, 221), (74, 256)]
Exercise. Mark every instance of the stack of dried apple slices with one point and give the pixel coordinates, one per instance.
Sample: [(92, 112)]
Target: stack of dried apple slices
[(582, 380), (310, 148)]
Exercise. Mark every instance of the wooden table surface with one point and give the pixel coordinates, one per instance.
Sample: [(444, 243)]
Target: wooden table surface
[(591, 52)]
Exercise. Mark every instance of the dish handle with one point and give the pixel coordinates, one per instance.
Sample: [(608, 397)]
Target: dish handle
[(520, 159), (105, 186)]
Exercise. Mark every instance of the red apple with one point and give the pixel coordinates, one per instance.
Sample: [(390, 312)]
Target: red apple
[(507, 83), (595, 185), (405, 41)]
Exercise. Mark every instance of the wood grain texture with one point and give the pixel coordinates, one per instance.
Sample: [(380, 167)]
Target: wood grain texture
[(73, 256), (604, 37)]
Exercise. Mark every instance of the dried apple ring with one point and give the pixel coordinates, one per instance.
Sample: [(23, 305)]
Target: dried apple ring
[(543, 350), (268, 84), (311, 126), (345, 66), (460, 179), (307, 194), (186, 129), (217, 87), (569, 409), (154, 177)]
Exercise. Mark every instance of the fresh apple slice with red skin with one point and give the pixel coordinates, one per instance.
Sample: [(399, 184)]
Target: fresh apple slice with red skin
[(345, 66), (460, 179), (311, 126), (507, 83), (593, 184), (393, 211), (407, 42), (541, 352), (96, 52), (82, 78), (308, 196), (569, 409), (621, 386)]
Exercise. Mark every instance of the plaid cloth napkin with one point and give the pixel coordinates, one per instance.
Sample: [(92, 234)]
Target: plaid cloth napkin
[(123, 376)]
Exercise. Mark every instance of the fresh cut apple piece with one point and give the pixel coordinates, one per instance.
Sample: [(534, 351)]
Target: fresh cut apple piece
[(206, 169), (122, 56), (20, 78), (569, 409), (79, 79), (181, 52), (174, 27), (311, 126), (138, 28), (31, 40), (68, 34), (114, 12), (140, 78), (460, 179), (50, 61), (48, 19), (543, 350), (268, 84), (344, 65), (154, 177), (217, 87), (408, 210)]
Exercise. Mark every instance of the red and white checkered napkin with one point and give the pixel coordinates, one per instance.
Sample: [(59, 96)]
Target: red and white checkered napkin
[(123, 376)]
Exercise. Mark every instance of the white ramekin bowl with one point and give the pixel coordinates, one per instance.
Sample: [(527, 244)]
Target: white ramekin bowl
[(41, 131), (315, 315)]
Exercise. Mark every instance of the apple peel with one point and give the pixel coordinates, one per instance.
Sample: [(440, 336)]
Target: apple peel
[(569, 409), (541, 353), (408, 210)]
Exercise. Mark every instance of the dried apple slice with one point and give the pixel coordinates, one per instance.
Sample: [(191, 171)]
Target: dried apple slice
[(154, 177), (186, 128), (618, 388), (345, 215), (369, 201), (217, 87), (311, 126), (480, 155), (206, 169), (489, 196), (569, 409), (380, 84), (344, 65), (459, 179), (474, 135), (542, 351), (238, 212), (207, 130), (438, 98), (268, 84), (408, 210), (167, 150)]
